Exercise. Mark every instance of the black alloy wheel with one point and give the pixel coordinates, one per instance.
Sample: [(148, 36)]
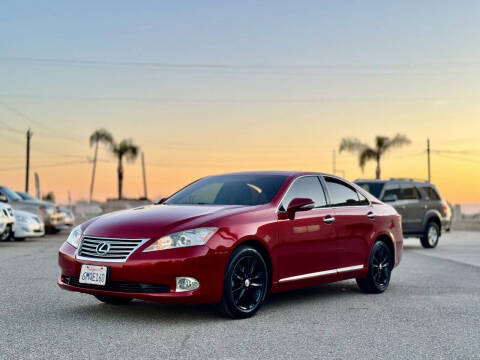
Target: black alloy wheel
[(245, 284), (379, 270)]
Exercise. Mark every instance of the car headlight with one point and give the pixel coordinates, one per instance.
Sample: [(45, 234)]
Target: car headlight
[(75, 237), (181, 239)]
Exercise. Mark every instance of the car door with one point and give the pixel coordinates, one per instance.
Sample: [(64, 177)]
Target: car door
[(307, 243), (354, 224), (413, 209)]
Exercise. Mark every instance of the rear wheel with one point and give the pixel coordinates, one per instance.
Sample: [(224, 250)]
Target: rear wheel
[(113, 300), (379, 269), (431, 235), (245, 284)]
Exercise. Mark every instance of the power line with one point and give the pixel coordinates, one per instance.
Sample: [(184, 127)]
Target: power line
[(236, 100), (48, 165), (459, 159), (36, 122), (65, 61)]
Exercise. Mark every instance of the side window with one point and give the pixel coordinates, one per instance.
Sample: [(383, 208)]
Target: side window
[(431, 193), (341, 194), (393, 189), (306, 187), (410, 192)]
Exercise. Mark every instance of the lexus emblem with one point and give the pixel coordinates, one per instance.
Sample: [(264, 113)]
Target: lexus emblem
[(103, 248)]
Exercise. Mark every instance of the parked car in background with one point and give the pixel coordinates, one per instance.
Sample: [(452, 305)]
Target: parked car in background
[(424, 213), (27, 225), (50, 214), (69, 218), (7, 221), (231, 239)]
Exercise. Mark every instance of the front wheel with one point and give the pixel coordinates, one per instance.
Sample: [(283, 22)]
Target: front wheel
[(7, 234), (245, 284), (430, 236), (113, 300), (379, 270)]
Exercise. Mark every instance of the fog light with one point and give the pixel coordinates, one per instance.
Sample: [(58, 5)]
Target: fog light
[(187, 284)]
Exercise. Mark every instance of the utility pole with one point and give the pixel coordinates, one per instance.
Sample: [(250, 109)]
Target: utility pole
[(29, 136), (428, 159), (334, 162), (144, 177)]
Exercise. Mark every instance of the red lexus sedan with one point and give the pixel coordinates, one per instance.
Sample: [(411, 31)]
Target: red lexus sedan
[(233, 238)]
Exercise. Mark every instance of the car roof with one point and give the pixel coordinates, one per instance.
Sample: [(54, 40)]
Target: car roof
[(275, 172), (416, 182)]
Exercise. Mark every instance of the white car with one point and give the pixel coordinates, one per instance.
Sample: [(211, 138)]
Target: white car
[(7, 222), (27, 225)]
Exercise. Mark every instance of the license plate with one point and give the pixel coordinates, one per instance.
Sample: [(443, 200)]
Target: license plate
[(93, 274)]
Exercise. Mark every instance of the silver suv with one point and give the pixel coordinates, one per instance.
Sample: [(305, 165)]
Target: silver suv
[(424, 213)]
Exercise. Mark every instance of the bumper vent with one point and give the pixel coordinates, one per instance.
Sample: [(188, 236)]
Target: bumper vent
[(118, 286), (107, 249)]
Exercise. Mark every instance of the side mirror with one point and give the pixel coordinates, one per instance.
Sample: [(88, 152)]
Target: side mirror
[(299, 204), (3, 198), (162, 200), (390, 198)]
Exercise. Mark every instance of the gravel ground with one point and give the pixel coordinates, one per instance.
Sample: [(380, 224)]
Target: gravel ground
[(431, 310)]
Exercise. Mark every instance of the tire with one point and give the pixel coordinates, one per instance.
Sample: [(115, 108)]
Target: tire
[(380, 267), (20, 239), (113, 300), (431, 235), (245, 284), (7, 234)]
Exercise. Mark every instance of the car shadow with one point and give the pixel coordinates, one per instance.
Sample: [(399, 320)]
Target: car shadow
[(152, 312)]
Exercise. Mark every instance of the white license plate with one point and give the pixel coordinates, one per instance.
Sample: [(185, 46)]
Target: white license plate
[(93, 274)]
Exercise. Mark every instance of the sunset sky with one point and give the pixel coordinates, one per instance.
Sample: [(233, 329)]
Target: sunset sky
[(211, 87)]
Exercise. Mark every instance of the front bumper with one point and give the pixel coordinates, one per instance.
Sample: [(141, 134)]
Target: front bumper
[(56, 221), (34, 229), (142, 273)]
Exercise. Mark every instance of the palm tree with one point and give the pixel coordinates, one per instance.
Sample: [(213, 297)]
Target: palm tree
[(366, 153), (126, 148), (98, 136)]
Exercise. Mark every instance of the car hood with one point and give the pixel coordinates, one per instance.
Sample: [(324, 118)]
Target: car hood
[(24, 213), (154, 221), (37, 203)]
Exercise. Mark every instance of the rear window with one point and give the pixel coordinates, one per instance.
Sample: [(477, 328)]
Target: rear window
[(431, 193), (374, 188)]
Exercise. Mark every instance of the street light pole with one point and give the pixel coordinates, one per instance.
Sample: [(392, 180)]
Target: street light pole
[(428, 159), (27, 170)]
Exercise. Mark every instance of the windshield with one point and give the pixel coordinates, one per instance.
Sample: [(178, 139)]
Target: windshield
[(374, 188), (10, 194), (230, 190), (25, 196)]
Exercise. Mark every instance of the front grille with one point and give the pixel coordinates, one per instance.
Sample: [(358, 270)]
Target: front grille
[(118, 286), (116, 250)]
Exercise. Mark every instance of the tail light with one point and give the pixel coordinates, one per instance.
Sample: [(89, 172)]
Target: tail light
[(445, 207)]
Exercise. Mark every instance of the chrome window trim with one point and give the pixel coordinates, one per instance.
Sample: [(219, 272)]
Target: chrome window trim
[(106, 239), (322, 273), (348, 185), (277, 211)]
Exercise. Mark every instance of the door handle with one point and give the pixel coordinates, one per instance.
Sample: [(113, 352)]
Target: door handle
[(371, 215), (328, 219)]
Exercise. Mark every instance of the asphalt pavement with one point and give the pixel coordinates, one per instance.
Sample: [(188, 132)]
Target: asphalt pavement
[(431, 310)]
